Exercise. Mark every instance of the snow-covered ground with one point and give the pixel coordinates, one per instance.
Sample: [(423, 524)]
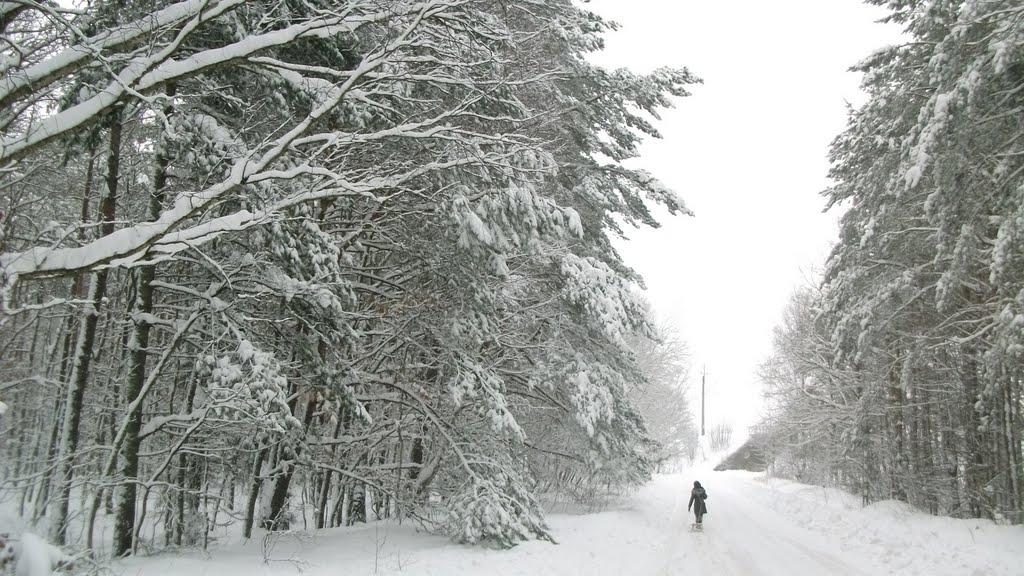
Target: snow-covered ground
[(755, 526)]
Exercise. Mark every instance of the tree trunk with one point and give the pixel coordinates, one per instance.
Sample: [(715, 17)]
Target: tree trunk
[(83, 349), (67, 327), (325, 488), (975, 465), (1007, 447), (275, 519), (325, 493), (254, 493), (124, 523)]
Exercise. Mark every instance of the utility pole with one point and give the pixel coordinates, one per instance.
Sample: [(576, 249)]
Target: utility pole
[(703, 377)]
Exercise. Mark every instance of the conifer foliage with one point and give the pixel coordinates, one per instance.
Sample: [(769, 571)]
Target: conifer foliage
[(344, 260), (902, 377)]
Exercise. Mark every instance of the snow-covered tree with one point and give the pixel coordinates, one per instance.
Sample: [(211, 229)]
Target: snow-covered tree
[(921, 301), (354, 250), (662, 398)]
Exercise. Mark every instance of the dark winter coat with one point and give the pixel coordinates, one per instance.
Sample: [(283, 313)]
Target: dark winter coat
[(697, 498)]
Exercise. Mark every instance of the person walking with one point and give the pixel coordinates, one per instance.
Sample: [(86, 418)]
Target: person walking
[(697, 497)]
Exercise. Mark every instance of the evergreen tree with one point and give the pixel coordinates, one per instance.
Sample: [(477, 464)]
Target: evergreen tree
[(921, 291), (360, 252)]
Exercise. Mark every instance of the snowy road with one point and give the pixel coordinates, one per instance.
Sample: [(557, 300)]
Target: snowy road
[(755, 527), (741, 535)]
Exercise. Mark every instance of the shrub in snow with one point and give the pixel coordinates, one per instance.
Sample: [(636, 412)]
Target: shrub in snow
[(498, 510), (33, 557), (6, 551)]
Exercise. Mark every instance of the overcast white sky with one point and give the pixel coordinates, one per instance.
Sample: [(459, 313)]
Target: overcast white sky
[(748, 154)]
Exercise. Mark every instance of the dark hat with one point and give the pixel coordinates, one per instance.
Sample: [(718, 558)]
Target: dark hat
[(696, 484)]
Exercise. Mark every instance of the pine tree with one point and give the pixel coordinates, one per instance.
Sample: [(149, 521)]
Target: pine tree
[(361, 253), (920, 292)]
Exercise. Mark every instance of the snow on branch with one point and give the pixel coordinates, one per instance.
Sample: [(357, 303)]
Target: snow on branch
[(17, 84)]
